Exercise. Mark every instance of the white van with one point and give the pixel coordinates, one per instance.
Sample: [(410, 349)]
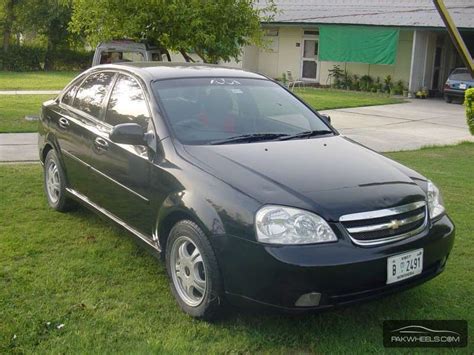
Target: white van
[(126, 51)]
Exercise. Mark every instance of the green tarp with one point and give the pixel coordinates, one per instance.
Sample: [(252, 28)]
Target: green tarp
[(361, 44)]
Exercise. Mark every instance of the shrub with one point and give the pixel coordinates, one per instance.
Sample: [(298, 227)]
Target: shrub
[(20, 58), (469, 103), (365, 82), (337, 73), (26, 58), (388, 83), (399, 87), (67, 59)]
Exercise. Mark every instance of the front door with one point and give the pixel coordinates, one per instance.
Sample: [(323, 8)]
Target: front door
[(309, 65), (120, 176)]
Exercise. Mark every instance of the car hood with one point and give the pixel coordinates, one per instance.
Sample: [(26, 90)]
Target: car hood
[(329, 175)]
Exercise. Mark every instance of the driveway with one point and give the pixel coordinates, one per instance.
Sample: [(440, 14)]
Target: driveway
[(385, 128), (405, 126)]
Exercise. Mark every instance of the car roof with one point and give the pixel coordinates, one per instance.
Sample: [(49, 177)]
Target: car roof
[(156, 71)]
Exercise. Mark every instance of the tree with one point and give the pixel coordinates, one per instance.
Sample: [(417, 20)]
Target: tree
[(8, 18), (214, 30), (48, 18)]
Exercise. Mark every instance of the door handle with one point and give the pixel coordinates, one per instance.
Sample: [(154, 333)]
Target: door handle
[(63, 123), (101, 143)]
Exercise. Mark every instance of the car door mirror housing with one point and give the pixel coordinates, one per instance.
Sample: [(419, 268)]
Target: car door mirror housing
[(128, 133), (326, 118)]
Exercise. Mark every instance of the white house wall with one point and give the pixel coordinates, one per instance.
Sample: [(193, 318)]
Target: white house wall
[(287, 56)]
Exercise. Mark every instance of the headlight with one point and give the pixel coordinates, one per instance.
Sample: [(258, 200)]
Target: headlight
[(285, 225), (435, 201)]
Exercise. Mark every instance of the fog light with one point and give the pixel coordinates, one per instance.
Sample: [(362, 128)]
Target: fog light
[(309, 300)]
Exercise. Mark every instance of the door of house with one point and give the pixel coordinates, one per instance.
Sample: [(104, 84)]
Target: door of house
[(437, 69), (309, 59)]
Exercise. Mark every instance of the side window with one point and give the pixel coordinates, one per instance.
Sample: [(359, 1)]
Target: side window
[(68, 97), (91, 94), (127, 104)]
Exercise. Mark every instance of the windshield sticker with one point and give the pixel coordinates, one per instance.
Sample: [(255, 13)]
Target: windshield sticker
[(222, 81)]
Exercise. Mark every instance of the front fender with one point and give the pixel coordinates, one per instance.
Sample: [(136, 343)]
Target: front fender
[(189, 205)]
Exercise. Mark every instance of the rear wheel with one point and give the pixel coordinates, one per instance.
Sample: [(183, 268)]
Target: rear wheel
[(193, 271), (55, 184), (448, 99)]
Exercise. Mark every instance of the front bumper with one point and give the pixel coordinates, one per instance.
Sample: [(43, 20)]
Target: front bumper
[(341, 272)]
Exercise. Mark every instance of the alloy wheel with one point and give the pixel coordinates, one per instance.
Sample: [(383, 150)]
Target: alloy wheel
[(53, 182), (188, 271)]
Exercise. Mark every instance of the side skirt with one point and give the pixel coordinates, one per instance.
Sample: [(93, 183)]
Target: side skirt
[(96, 208)]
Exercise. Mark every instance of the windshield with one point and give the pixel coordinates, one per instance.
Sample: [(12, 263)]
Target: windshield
[(207, 110), (460, 74)]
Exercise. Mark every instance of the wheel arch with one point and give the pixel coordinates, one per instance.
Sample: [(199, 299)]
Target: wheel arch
[(47, 147), (184, 205), (50, 142)]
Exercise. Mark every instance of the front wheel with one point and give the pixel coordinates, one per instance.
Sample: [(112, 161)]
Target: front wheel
[(55, 184), (193, 271)]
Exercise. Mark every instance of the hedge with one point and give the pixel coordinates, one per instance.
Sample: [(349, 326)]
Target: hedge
[(25, 58), (469, 103)]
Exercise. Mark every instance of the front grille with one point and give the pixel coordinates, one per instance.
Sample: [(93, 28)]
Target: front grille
[(388, 225)]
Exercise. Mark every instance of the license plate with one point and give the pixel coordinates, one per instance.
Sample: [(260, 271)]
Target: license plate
[(403, 266), (462, 86)]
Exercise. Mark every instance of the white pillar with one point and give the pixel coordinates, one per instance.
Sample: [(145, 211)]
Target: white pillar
[(419, 57)]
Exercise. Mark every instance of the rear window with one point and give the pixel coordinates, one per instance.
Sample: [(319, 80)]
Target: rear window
[(460, 74), (108, 57)]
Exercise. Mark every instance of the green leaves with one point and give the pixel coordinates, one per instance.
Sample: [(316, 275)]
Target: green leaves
[(215, 30), (469, 103)]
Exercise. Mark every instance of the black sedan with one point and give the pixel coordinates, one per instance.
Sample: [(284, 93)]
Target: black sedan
[(249, 195)]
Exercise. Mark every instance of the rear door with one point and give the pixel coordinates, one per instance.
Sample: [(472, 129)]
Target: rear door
[(79, 107), (120, 176)]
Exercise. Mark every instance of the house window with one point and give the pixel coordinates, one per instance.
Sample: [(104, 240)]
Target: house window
[(271, 32), (271, 40), (311, 32)]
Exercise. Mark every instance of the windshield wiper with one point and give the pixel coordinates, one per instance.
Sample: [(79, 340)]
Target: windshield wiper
[(253, 137), (306, 134)]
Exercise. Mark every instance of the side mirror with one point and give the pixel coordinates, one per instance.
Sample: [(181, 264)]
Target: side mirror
[(128, 133), (326, 118)]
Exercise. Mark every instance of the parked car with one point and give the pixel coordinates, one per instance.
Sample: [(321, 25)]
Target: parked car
[(248, 194), (458, 81), (126, 51)]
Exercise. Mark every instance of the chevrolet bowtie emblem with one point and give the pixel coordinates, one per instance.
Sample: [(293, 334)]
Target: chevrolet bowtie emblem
[(395, 224)]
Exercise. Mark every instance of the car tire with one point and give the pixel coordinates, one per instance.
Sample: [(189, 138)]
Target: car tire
[(448, 99), (193, 271), (55, 184)]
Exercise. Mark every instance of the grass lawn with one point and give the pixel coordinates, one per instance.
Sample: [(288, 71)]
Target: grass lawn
[(14, 108), (325, 99), (55, 80), (110, 296)]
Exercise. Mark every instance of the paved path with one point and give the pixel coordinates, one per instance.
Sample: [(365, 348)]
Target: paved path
[(18, 147), (29, 92), (403, 126), (383, 128)]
